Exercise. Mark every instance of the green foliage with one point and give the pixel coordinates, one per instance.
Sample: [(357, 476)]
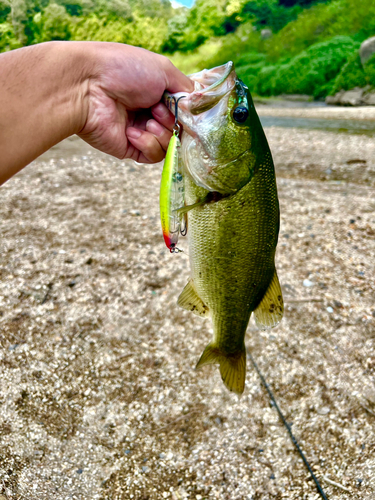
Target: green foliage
[(240, 47), (311, 71), (142, 31), (266, 80), (322, 22), (138, 22), (269, 13), (351, 75), (313, 48), (370, 70), (8, 40), (5, 10), (53, 24)]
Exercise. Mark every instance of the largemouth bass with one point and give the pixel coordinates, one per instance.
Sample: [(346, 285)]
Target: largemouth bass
[(233, 217)]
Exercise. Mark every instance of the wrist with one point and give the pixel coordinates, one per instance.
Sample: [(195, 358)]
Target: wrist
[(43, 100), (70, 100)]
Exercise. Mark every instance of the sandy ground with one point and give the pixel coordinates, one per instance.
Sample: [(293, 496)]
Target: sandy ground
[(98, 394)]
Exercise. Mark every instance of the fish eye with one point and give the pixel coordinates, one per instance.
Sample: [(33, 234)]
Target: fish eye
[(240, 114)]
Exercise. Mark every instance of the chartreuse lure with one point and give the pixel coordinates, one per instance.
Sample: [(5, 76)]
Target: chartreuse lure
[(172, 191)]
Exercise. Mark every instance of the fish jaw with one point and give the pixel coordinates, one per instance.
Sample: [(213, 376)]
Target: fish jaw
[(214, 143)]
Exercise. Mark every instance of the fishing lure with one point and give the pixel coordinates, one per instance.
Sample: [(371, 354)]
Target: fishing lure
[(172, 190)]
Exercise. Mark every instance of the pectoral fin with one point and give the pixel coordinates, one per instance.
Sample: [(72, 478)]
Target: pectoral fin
[(271, 308), (190, 300), (187, 208), (232, 366)]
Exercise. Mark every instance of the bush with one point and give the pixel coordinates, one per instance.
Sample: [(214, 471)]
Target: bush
[(8, 40), (312, 72), (266, 80), (351, 75), (321, 22), (370, 70)]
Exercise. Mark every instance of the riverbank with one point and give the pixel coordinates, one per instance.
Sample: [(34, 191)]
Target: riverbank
[(99, 397)]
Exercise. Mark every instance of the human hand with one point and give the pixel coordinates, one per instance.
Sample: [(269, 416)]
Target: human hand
[(125, 117)]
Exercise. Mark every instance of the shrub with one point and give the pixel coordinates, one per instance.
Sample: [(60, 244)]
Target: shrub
[(370, 70), (351, 75), (266, 80), (322, 22), (312, 71), (8, 40)]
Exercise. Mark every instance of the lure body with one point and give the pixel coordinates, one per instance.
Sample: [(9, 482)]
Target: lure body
[(171, 194)]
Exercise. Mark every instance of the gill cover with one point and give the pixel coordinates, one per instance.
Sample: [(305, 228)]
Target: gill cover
[(217, 119)]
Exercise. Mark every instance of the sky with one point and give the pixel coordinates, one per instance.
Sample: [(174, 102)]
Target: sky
[(186, 3)]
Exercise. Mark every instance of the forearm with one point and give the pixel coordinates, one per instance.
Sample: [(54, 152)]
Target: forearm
[(43, 100)]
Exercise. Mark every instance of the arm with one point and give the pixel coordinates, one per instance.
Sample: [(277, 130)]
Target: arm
[(106, 93)]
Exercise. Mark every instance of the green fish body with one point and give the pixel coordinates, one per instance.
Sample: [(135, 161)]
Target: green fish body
[(233, 219)]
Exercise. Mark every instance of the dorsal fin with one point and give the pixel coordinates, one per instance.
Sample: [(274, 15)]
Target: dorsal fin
[(271, 308), (190, 300)]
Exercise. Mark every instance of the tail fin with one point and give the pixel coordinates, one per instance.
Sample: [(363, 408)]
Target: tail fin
[(232, 366)]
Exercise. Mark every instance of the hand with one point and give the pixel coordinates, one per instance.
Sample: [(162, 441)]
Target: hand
[(125, 117)]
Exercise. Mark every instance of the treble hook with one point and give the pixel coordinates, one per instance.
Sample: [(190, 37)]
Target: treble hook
[(176, 127)]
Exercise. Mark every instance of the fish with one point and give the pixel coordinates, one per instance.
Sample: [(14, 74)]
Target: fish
[(233, 217)]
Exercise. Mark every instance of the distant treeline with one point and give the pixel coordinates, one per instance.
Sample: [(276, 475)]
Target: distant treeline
[(137, 22), (278, 46), (314, 52)]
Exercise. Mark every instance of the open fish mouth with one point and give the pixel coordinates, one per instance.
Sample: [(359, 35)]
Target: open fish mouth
[(210, 86)]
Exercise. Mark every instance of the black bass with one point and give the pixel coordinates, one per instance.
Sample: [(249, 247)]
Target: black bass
[(233, 217)]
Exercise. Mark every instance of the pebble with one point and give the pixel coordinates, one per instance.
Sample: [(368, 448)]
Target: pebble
[(307, 283), (329, 309), (324, 410)]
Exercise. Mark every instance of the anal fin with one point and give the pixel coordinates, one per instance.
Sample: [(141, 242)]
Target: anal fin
[(190, 300), (271, 308), (232, 366)]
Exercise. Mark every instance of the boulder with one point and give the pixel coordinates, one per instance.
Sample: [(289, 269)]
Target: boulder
[(265, 34), (335, 99), (354, 97), (367, 49), (369, 98)]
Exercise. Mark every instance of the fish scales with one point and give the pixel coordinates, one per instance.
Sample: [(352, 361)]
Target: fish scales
[(233, 218), (229, 282)]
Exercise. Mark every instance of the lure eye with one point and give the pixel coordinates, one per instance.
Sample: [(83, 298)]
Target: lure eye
[(240, 114)]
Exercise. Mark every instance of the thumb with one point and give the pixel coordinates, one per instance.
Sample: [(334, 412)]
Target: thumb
[(176, 81)]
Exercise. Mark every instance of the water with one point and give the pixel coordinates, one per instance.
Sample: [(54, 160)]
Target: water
[(346, 126)]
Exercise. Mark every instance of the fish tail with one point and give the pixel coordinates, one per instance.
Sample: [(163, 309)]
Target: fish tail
[(232, 366)]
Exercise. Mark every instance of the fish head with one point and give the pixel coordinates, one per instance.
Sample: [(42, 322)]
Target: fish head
[(218, 120)]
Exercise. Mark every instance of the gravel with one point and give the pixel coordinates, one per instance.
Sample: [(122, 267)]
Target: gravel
[(98, 394)]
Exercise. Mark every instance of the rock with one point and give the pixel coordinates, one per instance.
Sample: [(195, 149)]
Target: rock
[(265, 34), (352, 97), (369, 98), (335, 99), (307, 283), (323, 411), (367, 49)]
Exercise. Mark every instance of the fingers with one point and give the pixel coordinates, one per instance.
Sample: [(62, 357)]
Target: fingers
[(150, 143), (162, 114), (150, 137), (162, 134), (176, 81)]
